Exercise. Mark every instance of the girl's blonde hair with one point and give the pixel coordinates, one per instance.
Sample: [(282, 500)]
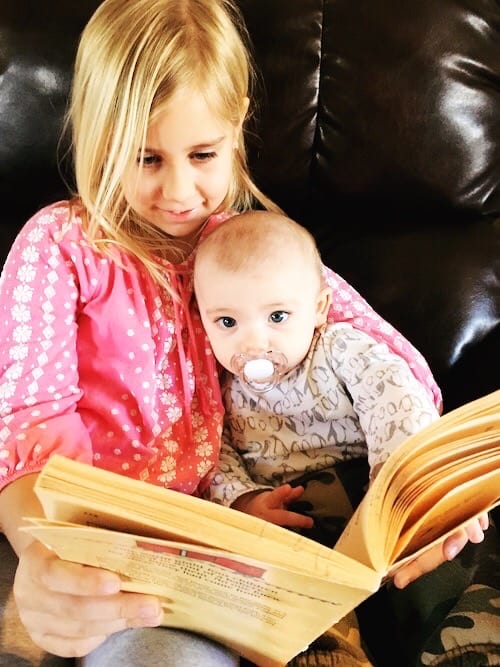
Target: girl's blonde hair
[(132, 57)]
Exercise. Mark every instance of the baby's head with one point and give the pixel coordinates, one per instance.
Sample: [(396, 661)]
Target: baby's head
[(259, 286)]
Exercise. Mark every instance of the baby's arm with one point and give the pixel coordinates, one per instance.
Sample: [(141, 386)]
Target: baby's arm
[(68, 609), (233, 485)]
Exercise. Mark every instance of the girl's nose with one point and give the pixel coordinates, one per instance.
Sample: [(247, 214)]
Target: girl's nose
[(177, 185)]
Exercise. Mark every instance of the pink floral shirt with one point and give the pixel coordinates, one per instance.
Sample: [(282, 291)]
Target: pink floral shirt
[(100, 364)]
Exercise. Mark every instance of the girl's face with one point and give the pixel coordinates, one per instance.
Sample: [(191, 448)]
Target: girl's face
[(186, 169)]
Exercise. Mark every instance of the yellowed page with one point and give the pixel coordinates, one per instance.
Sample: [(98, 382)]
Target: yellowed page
[(79, 493), (267, 614), (423, 495), (419, 494), (452, 509), (382, 507), (414, 554)]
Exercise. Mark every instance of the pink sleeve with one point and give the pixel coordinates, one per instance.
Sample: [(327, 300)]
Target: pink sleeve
[(349, 306), (39, 296)]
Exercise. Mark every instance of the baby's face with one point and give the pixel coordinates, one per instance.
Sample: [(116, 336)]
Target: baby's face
[(267, 308)]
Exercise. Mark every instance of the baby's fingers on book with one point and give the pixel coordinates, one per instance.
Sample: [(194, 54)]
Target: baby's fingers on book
[(294, 520), (283, 495)]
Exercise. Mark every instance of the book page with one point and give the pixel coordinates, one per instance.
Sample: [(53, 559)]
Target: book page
[(431, 484), (79, 493), (452, 509), (265, 613), (393, 495), (419, 494)]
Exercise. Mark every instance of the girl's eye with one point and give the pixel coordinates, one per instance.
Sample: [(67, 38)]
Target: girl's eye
[(278, 316), (227, 322), (204, 156), (148, 160)]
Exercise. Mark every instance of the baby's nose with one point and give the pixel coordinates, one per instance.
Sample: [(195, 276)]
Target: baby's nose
[(255, 341)]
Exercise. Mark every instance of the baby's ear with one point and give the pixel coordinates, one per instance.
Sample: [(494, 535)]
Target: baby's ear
[(322, 305)]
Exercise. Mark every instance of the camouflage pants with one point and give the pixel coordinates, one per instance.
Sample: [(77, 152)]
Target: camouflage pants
[(339, 647), (447, 618)]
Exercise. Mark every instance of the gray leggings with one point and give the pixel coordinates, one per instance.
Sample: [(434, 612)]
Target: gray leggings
[(159, 647)]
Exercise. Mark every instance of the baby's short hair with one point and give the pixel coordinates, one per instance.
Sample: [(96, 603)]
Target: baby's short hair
[(236, 243)]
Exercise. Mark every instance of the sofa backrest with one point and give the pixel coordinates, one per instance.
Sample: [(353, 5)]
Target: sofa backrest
[(385, 104), (378, 127)]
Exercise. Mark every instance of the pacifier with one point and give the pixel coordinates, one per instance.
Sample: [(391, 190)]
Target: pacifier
[(261, 371)]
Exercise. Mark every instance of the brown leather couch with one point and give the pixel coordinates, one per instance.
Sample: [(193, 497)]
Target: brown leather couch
[(378, 128)]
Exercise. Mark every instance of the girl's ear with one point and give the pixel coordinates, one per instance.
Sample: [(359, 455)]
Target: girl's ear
[(322, 305), (244, 110), (238, 129)]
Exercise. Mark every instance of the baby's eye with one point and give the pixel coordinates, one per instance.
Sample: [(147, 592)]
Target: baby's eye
[(278, 316), (204, 156), (226, 322)]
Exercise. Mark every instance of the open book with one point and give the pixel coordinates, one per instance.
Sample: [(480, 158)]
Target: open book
[(261, 589)]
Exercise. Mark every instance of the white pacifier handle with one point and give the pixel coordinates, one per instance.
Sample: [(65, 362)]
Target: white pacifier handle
[(260, 371)]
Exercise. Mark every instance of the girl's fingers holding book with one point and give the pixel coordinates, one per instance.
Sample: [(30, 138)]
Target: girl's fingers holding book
[(88, 618), (426, 562), (67, 647), (72, 635), (475, 530), (39, 564), (69, 609), (484, 521), (472, 531)]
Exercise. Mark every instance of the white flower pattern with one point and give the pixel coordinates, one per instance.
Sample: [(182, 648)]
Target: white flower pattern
[(56, 393)]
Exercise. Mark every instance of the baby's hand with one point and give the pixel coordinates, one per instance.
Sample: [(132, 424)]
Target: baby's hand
[(70, 609), (271, 506), (473, 531)]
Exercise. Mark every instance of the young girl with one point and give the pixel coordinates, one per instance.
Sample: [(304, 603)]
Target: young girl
[(103, 358)]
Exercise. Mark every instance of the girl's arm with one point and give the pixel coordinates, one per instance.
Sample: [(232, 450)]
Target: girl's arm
[(349, 306), (17, 501)]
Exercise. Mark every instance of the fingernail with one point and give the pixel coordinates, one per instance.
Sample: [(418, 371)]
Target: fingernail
[(110, 586), (148, 611)]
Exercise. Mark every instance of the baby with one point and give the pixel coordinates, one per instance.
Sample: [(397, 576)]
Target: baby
[(300, 394)]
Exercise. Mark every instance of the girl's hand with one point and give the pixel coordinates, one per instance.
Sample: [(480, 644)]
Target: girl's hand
[(473, 531), (70, 609), (272, 506)]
